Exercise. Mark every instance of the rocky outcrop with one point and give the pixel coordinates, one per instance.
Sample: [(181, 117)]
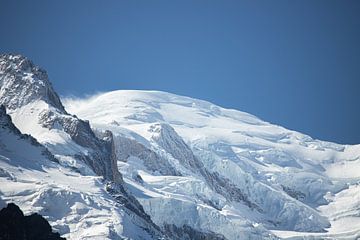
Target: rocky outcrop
[(132, 206), (14, 225), (166, 137), (294, 193), (101, 157), (188, 233), (52, 200), (6, 123), (22, 82)]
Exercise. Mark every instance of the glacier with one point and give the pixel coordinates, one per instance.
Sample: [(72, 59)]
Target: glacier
[(132, 164), (288, 180)]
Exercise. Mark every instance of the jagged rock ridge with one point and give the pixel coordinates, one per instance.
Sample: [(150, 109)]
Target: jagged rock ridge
[(22, 82)]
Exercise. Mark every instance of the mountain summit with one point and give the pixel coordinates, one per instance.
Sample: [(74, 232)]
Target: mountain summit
[(36, 109), (155, 165), (23, 82), (237, 175)]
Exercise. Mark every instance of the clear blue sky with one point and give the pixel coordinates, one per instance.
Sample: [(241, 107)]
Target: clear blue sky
[(293, 63)]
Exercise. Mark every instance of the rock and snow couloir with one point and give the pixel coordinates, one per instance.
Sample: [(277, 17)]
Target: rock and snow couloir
[(150, 165)]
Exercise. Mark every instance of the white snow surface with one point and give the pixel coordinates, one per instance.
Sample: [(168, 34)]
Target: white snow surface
[(76, 205), (301, 187)]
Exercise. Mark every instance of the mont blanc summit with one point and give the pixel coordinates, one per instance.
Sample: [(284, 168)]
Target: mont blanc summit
[(155, 165)]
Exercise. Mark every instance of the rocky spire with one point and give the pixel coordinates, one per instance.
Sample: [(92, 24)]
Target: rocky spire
[(22, 82)]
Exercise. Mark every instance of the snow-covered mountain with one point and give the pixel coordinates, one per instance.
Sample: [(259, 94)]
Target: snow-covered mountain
[(76, 205), (239, 176), (70, 176), (173, 166)]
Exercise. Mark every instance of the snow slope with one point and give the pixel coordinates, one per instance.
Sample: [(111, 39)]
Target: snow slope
[(154, 165), (77, 206), (236, 174), (35, 109)]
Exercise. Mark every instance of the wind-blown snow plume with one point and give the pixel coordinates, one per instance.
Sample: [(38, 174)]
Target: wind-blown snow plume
[(237, 172), (152, 165)]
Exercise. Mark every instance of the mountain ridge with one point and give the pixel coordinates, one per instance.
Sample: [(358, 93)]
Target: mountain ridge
[(249, 147), (174, 166)]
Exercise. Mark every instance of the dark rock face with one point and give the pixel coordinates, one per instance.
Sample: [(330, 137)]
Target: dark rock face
[(188, 233), (108, 140), (293, 193), (14, 225), (101, 157)]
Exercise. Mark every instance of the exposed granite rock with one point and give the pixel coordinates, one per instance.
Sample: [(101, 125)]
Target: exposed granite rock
[(22, 82)]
